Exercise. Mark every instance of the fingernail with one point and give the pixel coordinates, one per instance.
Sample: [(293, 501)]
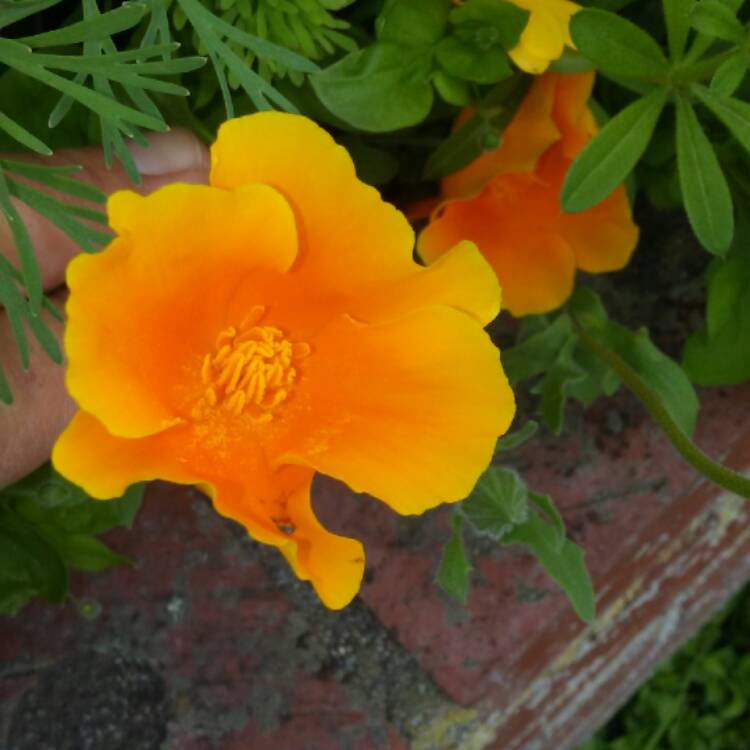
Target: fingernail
[(166, 153)]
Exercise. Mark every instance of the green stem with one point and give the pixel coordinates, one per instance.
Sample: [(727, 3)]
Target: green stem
[(723, 476)]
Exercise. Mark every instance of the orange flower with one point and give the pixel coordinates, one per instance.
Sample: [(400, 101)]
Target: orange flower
[(508, 203), (243, 335)]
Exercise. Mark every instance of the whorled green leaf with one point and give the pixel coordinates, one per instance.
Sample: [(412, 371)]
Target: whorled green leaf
[(20, 134), (381, 88), (716, 19), (730, 74), (454, 571), (618, 46), (733, 113), (704, 187), (12, 11), (611, 155), (677, 20)]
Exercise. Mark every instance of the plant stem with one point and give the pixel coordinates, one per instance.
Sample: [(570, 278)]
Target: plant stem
[(723, 476)]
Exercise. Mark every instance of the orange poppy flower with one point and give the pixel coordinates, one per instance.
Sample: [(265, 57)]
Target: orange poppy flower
[(244, 335), (508, 203)]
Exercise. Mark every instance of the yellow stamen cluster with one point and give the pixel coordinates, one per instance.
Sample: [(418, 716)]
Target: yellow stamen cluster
[(252, 368)]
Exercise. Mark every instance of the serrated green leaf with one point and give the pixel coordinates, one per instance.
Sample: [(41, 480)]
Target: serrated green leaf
[(103, 25), (716, 20), (730, 74), (563, 563), (608, 159), (513, 440), (705, 191), (453, 573), (497, 503), (83, 552), (618, 46), (412, 23), (538, 352), (381, 88), (555, 386), (677, 19)]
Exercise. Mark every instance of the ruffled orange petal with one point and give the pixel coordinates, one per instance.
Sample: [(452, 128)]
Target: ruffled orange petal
[(408, 411), (333, 564), (105, 466), (461, 278), (529, 134), (571, 111), (513, 223), (603, 237), (134, 326), (348, 234)]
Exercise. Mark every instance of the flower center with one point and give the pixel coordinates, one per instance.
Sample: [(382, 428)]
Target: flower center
[(252, 369)]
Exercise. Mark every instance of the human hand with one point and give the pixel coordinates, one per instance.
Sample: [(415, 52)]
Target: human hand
[(41, 406)]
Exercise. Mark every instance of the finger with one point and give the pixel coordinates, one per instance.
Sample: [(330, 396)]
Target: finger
[(41, 407), (177, 156)]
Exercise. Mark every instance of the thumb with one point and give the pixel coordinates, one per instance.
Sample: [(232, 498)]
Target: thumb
[(176, 156)]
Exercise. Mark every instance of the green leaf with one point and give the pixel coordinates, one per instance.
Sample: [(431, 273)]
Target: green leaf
[(497, 503), (27, 260), (555, 387), (515, 439), (470, 63), (28, 562), (547, 507), (608, 159), (715, 19), (719, 354), (452, 90), (412, 23), (103, 25), (705, 192), (381, 88), (618, 46), (677, 19), (374, 166), (733, 113), (730, 74), (20, 134), (454, 570), (83, 552), (20, 9), (538, 352), (6, 395), (479, 133), (485, 23), (563, 563), (56, 178)]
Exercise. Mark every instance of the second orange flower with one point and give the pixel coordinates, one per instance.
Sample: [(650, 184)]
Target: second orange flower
[(508, 203)]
